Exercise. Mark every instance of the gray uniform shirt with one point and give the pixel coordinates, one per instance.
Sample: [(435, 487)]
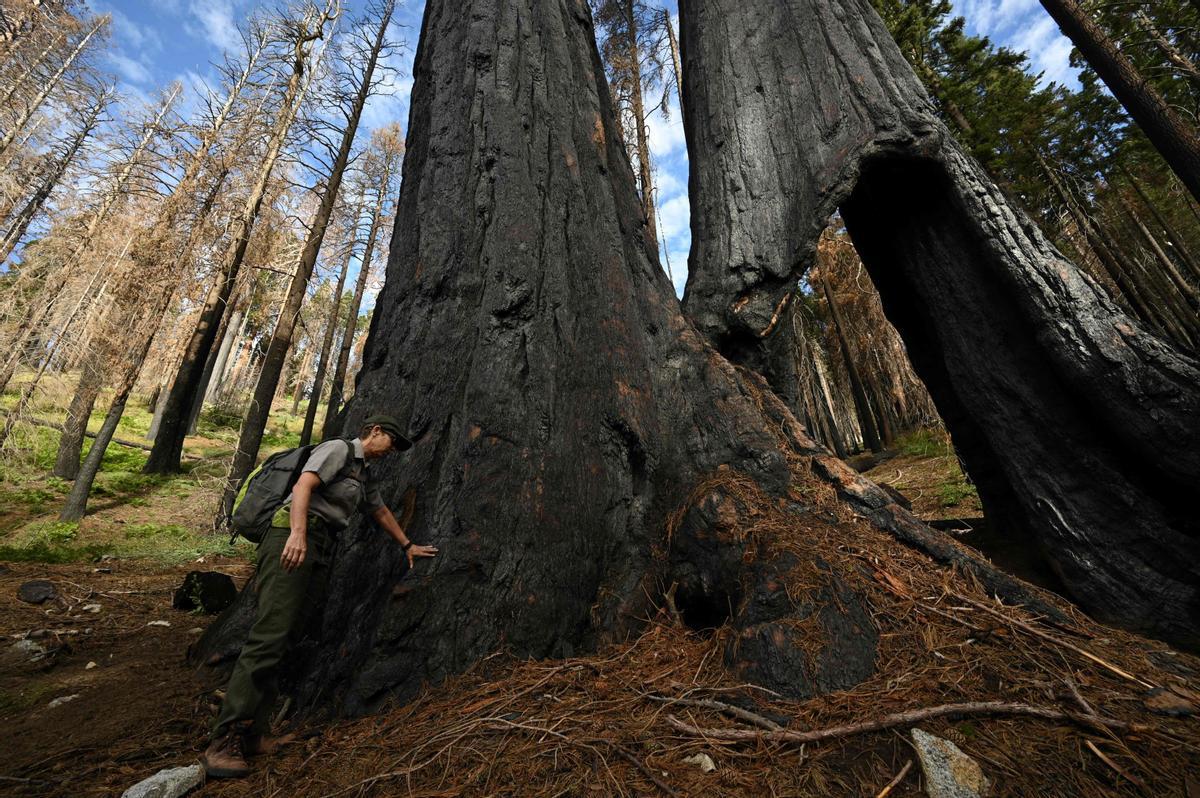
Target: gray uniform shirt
[(337, 499)]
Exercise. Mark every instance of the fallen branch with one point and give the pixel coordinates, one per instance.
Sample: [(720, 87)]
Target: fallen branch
[(1052, 639), (906, 718), (41, 422), (752, 718)]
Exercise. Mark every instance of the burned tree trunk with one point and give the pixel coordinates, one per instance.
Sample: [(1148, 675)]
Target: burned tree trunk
[(578, 446), (1080, 428)]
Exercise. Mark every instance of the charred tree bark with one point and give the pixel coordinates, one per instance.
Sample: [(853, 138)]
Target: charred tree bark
[(1080, 428), (563, 409)]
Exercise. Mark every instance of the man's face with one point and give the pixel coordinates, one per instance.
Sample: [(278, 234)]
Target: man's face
[(378, 443)]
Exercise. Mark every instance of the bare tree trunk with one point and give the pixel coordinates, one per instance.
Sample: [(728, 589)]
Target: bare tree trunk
[(167, 452), (336, 391), (75, 506), (33, 65), (866, 419), (331, 324), (673, 44), (1177, 59), (1167, 265), (233, 333), (31, 108), (52, 290), (1177, 244), (1173, 137), (1011, 339), (52, 177), (645, 174), (281, 339), (70, 443), (18, 408), (301, 380)]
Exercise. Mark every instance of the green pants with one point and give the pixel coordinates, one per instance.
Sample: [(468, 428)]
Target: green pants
[(287, 603)]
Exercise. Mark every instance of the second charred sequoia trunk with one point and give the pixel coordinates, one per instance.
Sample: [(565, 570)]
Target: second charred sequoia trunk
[(1079, 427), (577, 445)]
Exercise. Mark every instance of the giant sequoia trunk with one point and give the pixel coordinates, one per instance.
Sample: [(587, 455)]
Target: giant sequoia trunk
[(578, 445), (1080, 428)]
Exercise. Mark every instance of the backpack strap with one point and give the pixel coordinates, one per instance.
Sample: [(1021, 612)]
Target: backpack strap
[(345, 471)]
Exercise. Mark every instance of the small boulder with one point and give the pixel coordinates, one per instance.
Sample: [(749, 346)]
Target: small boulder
[(37, 591), (58, 702), (206, 591), (168, 783), (24, 651), (702, 761), (949, 773)]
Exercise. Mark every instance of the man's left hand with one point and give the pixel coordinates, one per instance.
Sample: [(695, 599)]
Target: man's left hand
[(416, 550)]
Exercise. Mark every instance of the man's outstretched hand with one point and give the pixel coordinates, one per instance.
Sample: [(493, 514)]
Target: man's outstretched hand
[(416, 550)]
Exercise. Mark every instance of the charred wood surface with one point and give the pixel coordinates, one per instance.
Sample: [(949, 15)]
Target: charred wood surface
[(1079, 426), (578, 446)]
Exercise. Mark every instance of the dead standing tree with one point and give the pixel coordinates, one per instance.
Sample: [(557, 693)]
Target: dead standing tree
[(382, 163), (1080, 428), (156, 242), (350, 225), (352, 88), (166, 454), (578, 446)]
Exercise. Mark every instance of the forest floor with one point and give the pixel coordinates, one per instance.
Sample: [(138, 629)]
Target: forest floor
[(112, 646)]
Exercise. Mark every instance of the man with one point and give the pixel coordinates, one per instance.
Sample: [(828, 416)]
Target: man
[(293, 570)]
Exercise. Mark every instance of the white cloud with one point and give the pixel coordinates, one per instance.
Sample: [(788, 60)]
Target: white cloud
[(1024, 26), (216, 21), (674, 217), (139, 38), (666, 135), (130, 69)]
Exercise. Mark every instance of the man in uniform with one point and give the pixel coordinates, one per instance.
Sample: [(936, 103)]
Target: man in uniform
[(293, 570)]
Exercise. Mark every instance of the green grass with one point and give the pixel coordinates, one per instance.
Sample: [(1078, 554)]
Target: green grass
[(29, 695), (955, 492), (49, 541), (925, 442), (59, 542)]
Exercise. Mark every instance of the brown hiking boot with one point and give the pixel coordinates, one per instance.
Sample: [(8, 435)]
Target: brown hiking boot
[(262, 744), (225, 757)]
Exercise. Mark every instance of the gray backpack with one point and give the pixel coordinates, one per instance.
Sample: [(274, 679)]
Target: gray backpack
[(268, 487)]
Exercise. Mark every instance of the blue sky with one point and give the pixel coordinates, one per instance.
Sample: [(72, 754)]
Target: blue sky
[(156, 42)]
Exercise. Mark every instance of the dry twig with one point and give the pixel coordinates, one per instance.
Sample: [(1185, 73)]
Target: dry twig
[(905, 718), (1052, 639), (752, 718), (891, 785)]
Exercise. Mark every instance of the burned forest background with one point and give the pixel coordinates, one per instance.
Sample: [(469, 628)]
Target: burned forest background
[(274, 237)]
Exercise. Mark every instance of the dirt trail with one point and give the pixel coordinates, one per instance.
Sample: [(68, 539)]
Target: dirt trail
[(140, 708)]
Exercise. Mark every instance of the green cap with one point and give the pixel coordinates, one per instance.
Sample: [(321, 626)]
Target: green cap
[(392, 427)]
